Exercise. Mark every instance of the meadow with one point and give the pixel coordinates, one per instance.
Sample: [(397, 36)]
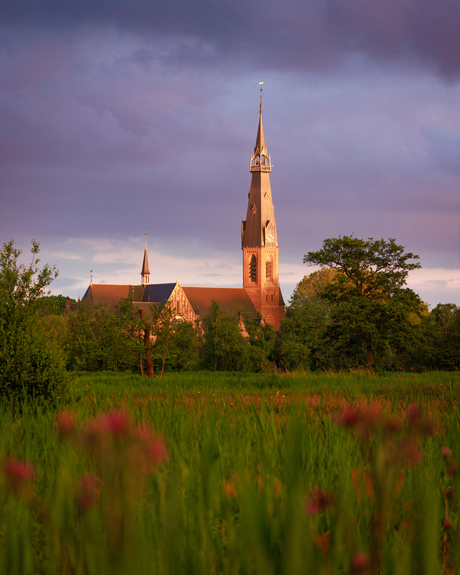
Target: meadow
[(234, 473)]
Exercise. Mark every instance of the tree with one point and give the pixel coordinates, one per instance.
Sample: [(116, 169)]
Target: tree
[(94, 340), (186, 341), (446, 331), (371, 307), (225, 348), (305, 321), (261, 340), (31, 363)]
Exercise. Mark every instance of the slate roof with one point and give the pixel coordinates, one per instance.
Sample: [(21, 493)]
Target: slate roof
[(112, 293), (145, 271), (157, 293)]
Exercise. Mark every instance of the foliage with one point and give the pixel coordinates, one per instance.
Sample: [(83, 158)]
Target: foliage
[(225, 348), (261, 339), (186, 341), (143, 340), (53, 304), (237, 342), (304, 323), (182, 480), (96, 342), (372, 308), (31, 363)]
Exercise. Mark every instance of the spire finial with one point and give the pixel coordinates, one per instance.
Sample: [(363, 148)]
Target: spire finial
[(90, 277), (260, 83)]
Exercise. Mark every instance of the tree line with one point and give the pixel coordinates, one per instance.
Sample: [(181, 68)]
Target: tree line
[(356, 311)]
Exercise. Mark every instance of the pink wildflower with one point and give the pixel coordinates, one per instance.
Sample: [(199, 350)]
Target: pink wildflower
[(409, 449), (18, 475), (88, 491), (349, 417), (115, 424), (446, 452), (319, 501), (424, 425), (157, 452), (362, 420), (414, 414), (66, 421), (359, 562)]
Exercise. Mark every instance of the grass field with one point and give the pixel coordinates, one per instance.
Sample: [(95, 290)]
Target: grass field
[(234, 473)]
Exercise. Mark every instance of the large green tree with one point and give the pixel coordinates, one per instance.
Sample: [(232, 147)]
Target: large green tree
[(225, 348), (31, 363), (305, 321), (446, 335), (371, 305)]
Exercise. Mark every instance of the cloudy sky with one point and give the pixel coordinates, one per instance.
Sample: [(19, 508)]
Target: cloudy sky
[(123, 117)]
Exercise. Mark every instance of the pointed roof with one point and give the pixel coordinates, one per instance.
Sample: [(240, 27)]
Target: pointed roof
[(145, 264), (260, 159), (259, 228), (260, 148)]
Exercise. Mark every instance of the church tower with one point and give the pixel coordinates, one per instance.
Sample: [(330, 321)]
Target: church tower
[(259, 237)]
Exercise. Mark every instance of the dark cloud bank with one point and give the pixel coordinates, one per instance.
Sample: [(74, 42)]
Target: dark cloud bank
[(124, 116), (297, 34)]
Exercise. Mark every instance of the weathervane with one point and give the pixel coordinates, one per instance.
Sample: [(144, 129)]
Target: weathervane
[(260, 83), (90, 277)]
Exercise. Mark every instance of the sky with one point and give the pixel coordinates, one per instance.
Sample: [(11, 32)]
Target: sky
[(120, 118)]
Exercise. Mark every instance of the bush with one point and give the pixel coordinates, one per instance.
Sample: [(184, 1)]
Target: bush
[(30, 363)]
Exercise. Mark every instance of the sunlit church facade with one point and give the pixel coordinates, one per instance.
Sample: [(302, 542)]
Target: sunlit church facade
[(260, 293)]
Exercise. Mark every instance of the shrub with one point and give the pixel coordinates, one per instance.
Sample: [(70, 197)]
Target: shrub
[(30, 363)]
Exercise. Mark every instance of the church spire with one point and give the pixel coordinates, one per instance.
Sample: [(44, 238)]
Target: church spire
[(145, 272), (259, 229), (260, 159), (259, 238)]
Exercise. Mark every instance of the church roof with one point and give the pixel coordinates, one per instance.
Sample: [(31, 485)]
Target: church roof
[(260, 147), (157, 293), (112, 293), (145, 264), (230, 299), (106, 293)]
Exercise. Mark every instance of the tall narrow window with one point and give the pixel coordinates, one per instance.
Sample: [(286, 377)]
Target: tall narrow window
[(269, 269), (253, 269)]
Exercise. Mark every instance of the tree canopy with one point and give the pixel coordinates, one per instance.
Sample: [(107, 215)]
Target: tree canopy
[(371, 305)]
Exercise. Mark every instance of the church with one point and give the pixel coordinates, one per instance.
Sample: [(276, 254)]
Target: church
[(260, 293)]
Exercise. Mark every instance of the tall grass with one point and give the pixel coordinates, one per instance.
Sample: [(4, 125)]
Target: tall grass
[(218, 473)]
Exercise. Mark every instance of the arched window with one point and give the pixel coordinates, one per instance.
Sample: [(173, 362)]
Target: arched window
[(253, 269)]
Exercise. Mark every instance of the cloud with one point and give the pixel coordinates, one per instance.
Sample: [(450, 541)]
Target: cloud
[(297, 34), (120, 118)]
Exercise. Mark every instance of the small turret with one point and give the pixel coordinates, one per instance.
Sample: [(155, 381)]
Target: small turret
[(145, 272)]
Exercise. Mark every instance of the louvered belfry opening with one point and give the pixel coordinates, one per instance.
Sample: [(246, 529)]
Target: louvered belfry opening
[(253, 269), (269, 269)]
